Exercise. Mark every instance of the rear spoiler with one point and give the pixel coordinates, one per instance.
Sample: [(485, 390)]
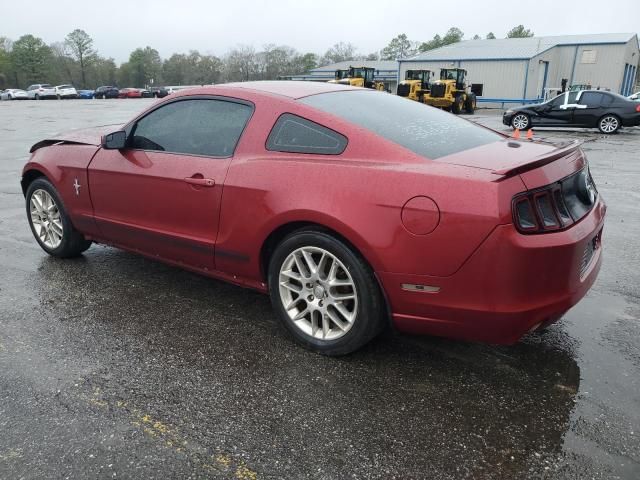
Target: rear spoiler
[(563, 149)]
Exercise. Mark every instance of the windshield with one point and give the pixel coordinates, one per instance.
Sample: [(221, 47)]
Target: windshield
[(425, 130)]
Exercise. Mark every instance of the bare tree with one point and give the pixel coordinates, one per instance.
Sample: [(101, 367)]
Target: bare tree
[(340, 52), (240, 63), (81, 46)]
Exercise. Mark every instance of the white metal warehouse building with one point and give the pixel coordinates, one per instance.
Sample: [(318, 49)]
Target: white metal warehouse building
[(519, 70)]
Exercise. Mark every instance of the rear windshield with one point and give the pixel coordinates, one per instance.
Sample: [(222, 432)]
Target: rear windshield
[(425, 130), (45, 85), (65, 86)]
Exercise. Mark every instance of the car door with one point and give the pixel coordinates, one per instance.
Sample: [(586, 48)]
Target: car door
[(590, 108), (557, 112), (161, 194)]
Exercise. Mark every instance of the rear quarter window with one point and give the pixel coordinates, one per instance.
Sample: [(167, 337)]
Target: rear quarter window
[(295, 134), (425, 130)]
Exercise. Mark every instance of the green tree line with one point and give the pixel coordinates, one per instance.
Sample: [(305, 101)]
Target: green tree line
[(75, 60)]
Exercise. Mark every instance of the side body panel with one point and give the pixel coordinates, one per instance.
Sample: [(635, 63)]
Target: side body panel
[(142, 201)]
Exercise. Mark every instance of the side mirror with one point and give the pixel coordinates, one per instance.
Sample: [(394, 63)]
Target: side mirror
[(115, 141)]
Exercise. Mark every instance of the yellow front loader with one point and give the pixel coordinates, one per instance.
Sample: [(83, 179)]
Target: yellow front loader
[(358, 77), (415, 85), (450, 92)]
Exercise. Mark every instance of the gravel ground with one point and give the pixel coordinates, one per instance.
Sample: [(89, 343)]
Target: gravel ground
[(113, 366)]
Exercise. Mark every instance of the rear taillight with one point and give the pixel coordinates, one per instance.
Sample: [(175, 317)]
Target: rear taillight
[(638, 108), (556, 206)]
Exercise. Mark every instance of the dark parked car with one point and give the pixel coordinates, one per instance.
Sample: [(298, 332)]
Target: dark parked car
[(606, 111), (159, 92), (106, 92), (144, 93)]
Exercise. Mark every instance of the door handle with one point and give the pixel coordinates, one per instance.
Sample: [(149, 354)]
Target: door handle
[(201, 182)]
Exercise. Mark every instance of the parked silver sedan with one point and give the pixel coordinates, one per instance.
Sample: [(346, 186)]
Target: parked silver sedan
[(13, 94)]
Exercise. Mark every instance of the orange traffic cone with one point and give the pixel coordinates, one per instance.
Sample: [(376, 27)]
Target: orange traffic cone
[(530, 134), (516, 133)]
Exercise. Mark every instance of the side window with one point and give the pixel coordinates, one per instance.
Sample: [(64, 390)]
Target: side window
[(606, 100), (295, 134), (559, 100), (197, 127), (591, 99), (572, 97)]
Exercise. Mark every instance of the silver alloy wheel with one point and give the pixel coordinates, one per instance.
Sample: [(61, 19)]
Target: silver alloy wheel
[(609, 124), (45, 218), (520, 121), (318, 293)]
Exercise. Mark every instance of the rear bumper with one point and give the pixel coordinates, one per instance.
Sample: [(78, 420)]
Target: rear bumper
[(512, 284), (633, 121)]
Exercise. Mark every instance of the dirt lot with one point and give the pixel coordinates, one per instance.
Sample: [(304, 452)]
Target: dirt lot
[(113, 366)]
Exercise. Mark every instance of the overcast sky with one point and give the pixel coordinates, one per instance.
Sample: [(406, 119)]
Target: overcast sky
[(118, 27)]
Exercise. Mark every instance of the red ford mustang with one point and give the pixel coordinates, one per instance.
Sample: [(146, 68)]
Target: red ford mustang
[(130, 93), (351, 208)]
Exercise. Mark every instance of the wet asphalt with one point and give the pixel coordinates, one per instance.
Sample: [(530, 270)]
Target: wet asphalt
[(115, 366)]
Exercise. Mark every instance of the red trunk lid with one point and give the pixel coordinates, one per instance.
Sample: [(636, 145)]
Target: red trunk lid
[(537, 163)]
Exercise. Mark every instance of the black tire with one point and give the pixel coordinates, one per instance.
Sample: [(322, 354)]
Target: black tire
[(470, 104), (609, 124), (73, 242), (370, 310), (37, 97), (457, 105), (523, 122)]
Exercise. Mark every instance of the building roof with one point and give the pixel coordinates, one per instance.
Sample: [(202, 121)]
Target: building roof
[(514, 48), (389, 65)]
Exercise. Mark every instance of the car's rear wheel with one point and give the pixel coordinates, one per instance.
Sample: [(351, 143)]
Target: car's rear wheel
[(609, 124), (324, 293), (50, 223), (37, 97), (520, 121)]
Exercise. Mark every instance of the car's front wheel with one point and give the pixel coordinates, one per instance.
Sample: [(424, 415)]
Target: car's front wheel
[(609, 124), (50, 223), (324, 293), (520, 121)]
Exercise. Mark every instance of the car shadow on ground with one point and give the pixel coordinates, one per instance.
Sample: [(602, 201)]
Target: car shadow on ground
[(143, 323)]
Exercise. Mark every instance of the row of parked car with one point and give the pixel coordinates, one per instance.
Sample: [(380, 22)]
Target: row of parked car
[(42, 91)]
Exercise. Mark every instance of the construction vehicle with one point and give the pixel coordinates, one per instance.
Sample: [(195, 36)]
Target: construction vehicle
[(450, 92), (358, 77), (339, 75), (415, 85)]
